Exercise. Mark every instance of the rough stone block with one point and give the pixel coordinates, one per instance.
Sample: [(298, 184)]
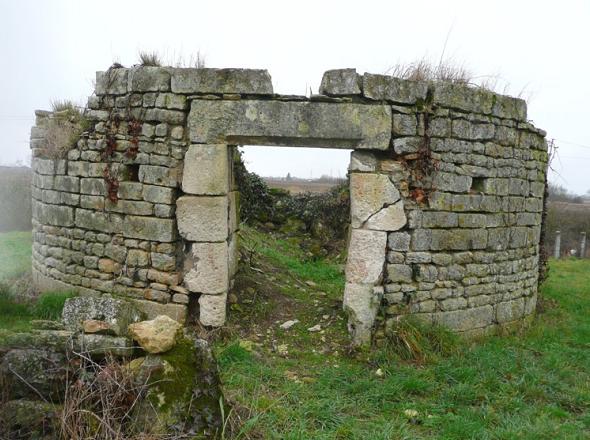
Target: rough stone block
[(158, 194), (117, 313), (369, 193), (459, 239), (149, 228), (398, 241), (389, 218), (203, 219), (243, 81), (157, 175), (435, 219), (148, 79), (461, 97), (366, 256), (53, 214), (363, 161), (510, 310), (466, 319), (360, 303), (206, 170), (399, 273), (112, 82), (450, 182), (312, 124), (209, 272), (389, 88), (340, 82), (212, 309)]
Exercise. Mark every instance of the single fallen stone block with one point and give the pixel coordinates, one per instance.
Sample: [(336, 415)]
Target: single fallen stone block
[(117, 313), (156, 336)]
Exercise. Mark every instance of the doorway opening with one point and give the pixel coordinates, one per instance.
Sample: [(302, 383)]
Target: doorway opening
[(293, 228)]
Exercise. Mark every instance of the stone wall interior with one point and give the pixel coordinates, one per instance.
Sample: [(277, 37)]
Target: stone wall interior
[(446, 184)]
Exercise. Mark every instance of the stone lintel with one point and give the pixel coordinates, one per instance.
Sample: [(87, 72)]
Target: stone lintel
[(306, 124)]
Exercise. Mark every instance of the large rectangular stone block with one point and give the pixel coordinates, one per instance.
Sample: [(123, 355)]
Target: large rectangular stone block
[(53, 215), (203, 219), (312, 124), (149, 228), (244, 81), (210, 268), (369, 194), (389, 88), (467, 319), (366, 256), (206, 170)]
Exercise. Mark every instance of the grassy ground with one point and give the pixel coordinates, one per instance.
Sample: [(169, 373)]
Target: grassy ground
[(15, 254), (297, 384), (15, 267)]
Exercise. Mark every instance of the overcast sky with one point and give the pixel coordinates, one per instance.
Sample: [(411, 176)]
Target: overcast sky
[(52, 48)]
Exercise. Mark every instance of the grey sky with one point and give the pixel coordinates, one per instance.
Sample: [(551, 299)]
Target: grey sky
[(51, 49)]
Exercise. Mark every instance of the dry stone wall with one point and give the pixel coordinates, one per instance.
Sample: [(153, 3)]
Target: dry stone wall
[(446, 184)]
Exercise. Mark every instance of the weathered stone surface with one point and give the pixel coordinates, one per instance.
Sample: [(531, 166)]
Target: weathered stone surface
[(312, 124), (149, 228), (397, 273), (117, 313), (97, 326), (157, 335), (389, 218), (340, 82), (103, 345), (152, 309), (244, 81), (30, 372), (510, 310), (212, 309), (398, 241), (210, 271), (389, 88), (206, 170), (466, 319), (363, 161), (462, 97), (360, 303), (369, 193), (202, 218), (53, 214), (366, 255), (112, 82), (148, 79)]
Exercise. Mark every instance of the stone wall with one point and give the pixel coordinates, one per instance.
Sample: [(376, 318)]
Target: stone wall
[(446, 193)]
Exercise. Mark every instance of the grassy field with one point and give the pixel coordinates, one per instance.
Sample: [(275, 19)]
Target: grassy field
[(15, 267), (302, 384), (15, 254), (297, 384)]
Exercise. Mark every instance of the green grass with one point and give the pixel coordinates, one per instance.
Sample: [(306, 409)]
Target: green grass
[(15, 262), (534, 384), (15, 254)]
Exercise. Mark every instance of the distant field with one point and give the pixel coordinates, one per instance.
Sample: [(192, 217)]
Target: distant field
[(15, 199), (300, 186)]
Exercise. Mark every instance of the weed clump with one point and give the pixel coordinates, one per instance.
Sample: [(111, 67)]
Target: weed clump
[(150, 59), (414, 341), (63, 128)]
